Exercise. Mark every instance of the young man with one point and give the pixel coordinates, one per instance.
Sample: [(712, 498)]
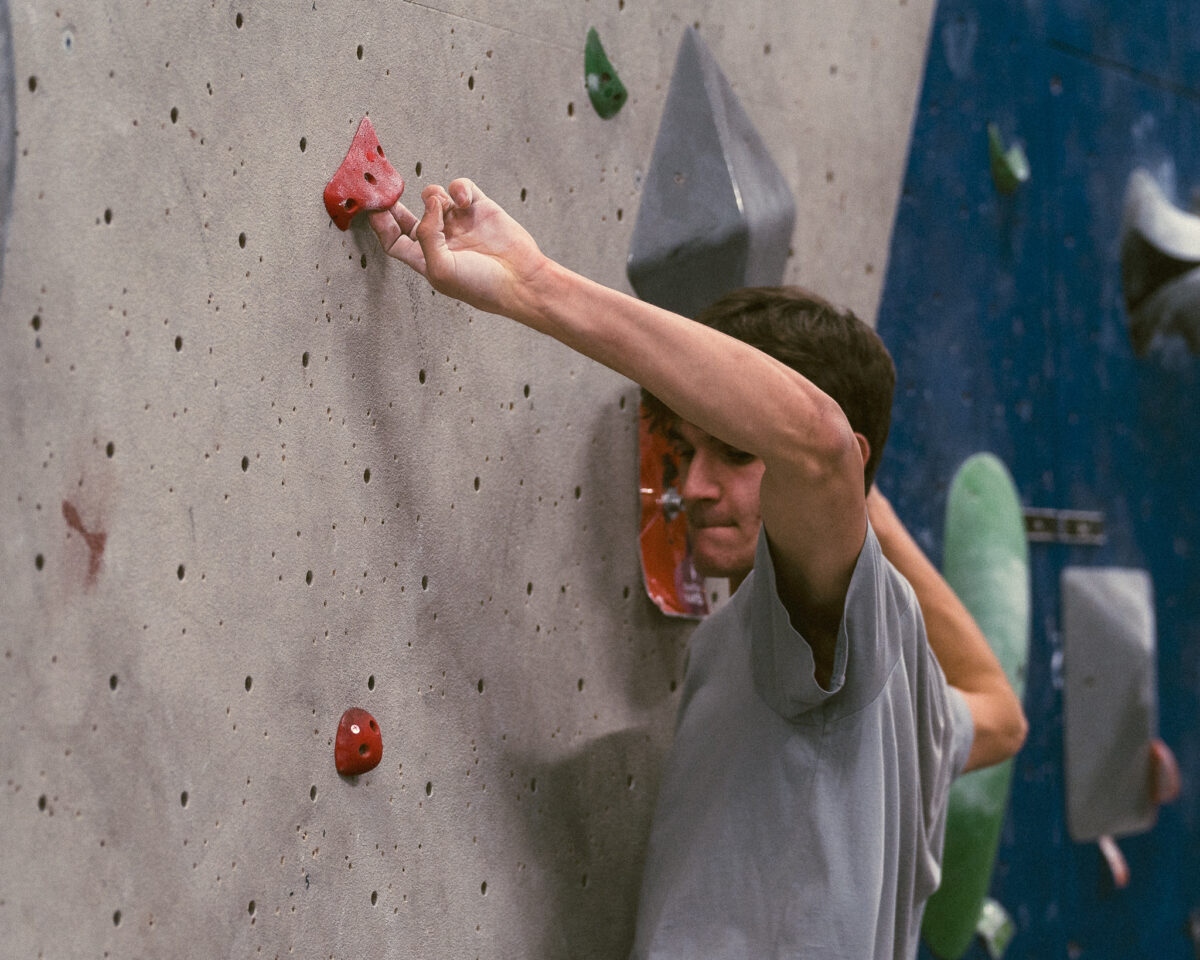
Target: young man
[(803, 804)]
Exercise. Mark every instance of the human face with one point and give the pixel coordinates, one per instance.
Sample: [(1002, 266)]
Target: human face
[(720, 489)]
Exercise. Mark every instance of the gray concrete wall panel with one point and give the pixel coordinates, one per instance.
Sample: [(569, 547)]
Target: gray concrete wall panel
[(254, 473)]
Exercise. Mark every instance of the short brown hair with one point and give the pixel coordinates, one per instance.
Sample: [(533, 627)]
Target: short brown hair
[(833, 348)]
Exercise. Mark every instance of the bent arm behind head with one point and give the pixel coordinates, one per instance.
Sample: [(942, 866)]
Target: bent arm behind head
[(956, 640)]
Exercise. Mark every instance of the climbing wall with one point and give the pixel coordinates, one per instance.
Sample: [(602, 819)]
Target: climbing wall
[(1006, 316), (254, 473)]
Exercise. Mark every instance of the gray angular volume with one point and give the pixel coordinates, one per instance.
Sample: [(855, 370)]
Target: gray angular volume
[(1110, 700), (716, 213)]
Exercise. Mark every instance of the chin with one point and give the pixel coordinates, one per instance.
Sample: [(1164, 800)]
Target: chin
[(716, 554), (720, 567)]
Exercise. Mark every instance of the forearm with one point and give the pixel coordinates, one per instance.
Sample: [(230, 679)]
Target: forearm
[(727, 388), (957, 642)]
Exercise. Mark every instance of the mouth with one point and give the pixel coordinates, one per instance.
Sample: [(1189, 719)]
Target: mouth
[(710, 524)]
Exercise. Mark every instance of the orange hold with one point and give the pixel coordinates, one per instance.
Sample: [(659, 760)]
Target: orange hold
[(364, 181), (359, 744)]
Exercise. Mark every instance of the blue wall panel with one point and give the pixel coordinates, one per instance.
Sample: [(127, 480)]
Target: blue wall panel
[(1006, 321)]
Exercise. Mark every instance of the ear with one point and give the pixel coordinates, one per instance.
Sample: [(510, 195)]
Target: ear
[(865, 446)]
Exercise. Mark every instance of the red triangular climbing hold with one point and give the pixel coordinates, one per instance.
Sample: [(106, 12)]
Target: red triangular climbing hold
[(364, 181)]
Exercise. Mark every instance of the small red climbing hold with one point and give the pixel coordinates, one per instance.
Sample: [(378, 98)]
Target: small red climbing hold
[(364, 181), (359, 744)]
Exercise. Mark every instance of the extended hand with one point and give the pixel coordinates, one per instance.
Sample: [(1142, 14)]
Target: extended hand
[(466, 246)]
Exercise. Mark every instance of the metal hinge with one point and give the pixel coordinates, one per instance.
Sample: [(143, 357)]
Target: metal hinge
[(1081, 528)]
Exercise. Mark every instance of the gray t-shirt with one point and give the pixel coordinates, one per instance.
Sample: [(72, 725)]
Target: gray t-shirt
[(795, 821)]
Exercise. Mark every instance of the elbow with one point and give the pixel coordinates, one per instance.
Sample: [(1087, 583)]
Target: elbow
[(1009, 729), (1016, 730), (1000, 730), (823, 448)]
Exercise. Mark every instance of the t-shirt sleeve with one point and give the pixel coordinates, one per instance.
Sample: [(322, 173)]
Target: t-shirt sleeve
[(962, 735), (783, 664), (945, 732)]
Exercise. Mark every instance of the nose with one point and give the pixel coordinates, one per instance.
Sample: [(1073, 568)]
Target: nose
[(700, 479)]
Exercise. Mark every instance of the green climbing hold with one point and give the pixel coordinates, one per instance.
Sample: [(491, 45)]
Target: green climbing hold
[(1010, 168), (986, 562), (604, 87), (996, 928)]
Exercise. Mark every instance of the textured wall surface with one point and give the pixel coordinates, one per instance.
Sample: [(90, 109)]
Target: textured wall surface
[(253, 473)]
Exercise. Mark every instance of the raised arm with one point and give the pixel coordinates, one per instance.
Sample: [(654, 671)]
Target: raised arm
[(956, 641), (813, 500)]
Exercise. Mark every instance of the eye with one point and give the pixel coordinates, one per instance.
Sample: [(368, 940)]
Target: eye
[(737, 458), (683, 451)]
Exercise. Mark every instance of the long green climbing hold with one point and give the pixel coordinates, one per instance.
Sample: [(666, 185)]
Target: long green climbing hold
[(604, 87), (987, 564)]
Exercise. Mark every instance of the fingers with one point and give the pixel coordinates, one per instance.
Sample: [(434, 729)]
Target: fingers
[(392, 224), (422, 243), (395, 229), (432, 227)]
